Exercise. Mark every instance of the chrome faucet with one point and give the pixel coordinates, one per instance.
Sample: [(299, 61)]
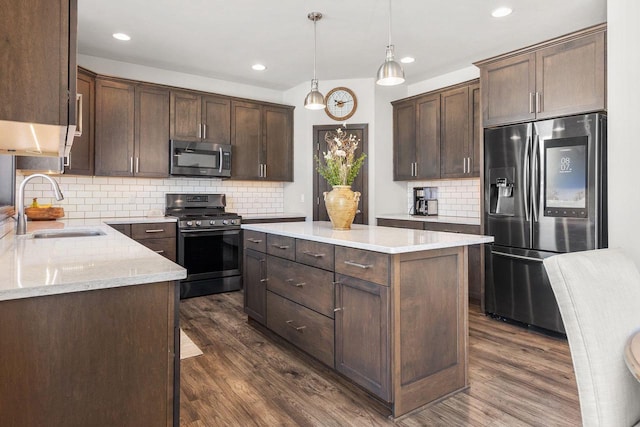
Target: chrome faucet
[(22, 218)]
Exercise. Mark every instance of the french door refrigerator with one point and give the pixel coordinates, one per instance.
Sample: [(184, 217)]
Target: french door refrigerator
[(544, 194)]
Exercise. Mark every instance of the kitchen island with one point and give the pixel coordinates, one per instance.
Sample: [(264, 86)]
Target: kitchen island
[(89, 330), (385, 307)]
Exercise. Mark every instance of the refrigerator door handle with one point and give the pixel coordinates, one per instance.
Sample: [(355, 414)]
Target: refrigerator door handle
[(525, 179), (526, 258), (535, 184)]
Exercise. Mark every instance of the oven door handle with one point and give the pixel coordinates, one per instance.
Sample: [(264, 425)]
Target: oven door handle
[(210, 232)]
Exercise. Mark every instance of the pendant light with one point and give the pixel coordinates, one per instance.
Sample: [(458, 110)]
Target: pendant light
[(390, 72), (314, 99)]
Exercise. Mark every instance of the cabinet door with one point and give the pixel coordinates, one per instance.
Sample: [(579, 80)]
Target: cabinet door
[(80, 160), (454, 137), (475, 130), (255, 287), (186, 116), (428, 137), (508, 90), (362, 334), (278, 144), (216, 118), (114, 128), (404, 141), (152, 132), (246, 140), (570, 77), (38, 66)]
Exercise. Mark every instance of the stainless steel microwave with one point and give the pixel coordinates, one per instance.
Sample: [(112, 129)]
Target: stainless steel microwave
[(203, 159)]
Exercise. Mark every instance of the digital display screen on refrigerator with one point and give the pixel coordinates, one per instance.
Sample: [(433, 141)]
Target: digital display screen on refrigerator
[(566, 176)]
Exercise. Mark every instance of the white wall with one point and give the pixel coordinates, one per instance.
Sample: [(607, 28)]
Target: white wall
[(623, 63), (469, 73), (127, 70)]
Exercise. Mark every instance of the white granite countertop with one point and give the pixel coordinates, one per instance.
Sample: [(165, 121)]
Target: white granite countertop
[(273, 215), (444, 219), (379, 239), (35, 267)]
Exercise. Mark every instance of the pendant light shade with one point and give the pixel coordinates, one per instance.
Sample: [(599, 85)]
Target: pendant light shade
[(390, 72), (314, 99)]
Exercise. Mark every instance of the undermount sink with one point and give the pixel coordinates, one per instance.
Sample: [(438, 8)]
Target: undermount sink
[(67, 233)]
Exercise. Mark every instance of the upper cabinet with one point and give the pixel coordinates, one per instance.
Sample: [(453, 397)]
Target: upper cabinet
[(81, 157), (197, 117), (560, 77), (38, 69), (132, 129), (437, 135), (262, 141)]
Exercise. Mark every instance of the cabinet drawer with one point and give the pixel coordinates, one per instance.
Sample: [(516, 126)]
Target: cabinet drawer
[(315, 254), (365, 265), (255, 240), (165, 247), (281, 246), (305, 285), (306, 329), (154, 230), (122, 228)]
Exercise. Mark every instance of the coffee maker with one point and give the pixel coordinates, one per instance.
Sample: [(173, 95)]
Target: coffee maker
[(425, 201)]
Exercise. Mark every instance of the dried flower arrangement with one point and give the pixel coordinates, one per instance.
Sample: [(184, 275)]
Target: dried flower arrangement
[(340, 165)]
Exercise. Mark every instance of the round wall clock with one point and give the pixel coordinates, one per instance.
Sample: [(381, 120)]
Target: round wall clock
[(341, 103)]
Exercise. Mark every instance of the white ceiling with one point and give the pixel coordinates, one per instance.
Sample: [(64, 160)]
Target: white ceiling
[(222, 38)]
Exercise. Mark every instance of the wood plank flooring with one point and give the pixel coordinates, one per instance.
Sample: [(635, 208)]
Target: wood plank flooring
[(248, 376)]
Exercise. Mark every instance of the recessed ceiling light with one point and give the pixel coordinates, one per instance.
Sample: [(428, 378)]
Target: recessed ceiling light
[(121, 36), (258, 67), (407, 60), (501, 12)]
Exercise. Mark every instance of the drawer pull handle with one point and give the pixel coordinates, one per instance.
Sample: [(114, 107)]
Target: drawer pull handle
[(337, 309), (313, 254), (157, 230), (280, 246), (297, 328), (161, 251), (297, 285), (252, 240), (356, 264), (264, 280)]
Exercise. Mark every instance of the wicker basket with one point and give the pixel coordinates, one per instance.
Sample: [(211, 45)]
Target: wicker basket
[(44, 214)]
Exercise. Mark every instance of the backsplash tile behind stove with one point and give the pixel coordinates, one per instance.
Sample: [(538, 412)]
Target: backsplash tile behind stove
[(456, 197), (105, 197)]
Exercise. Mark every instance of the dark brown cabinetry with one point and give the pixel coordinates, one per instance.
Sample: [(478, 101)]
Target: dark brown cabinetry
[(254, 275), (38, 67), (197, 117), (262, 141), (132, 129), (475, 264), (434, 134), (81, 157), (362, 323), (85, 353), (160, 237), (556, 78)]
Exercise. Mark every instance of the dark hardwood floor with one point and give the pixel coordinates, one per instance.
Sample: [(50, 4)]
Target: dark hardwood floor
[(248, 376)]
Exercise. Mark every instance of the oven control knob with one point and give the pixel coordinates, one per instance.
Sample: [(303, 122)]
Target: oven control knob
[(225, 222), (212, 222), (233, 221), (198, 223), (189, 223)]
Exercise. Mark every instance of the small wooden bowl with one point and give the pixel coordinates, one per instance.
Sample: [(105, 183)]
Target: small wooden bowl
[(44, 214)]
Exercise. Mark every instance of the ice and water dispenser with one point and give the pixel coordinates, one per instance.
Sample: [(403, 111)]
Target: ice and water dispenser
[(425, 200), (501, 194)]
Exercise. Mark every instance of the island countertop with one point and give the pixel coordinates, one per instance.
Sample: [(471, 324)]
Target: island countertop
[(373, 238), (36, 267)]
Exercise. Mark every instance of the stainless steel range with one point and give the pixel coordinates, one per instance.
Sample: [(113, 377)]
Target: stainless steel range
[(209, 243)]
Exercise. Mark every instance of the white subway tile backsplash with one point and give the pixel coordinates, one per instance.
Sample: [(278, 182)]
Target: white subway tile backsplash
[(102, 197), (456, 197)]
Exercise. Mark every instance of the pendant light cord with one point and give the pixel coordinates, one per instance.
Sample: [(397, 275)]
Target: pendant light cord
[(315, 47), (389, 23)]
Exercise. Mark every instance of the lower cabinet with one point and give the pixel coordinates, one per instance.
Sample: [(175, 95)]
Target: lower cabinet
[(362, 322), (254, 275), (160, 237)]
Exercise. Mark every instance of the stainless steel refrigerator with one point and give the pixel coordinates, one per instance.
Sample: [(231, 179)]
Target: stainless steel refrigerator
[(544, 193)]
